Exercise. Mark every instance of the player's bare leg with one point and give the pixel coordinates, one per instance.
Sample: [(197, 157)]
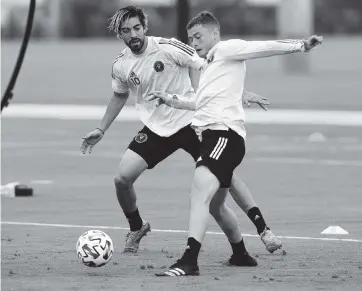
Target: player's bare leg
[(242, 196), (224, 216), (227, 220), (129, 169), (204, 187)]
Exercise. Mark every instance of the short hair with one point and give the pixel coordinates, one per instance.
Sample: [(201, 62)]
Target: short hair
[(124, 14), (204, 17)]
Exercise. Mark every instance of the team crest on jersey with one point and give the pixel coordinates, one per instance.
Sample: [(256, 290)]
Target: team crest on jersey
[(210, 59), (141, 137), (158, 66)]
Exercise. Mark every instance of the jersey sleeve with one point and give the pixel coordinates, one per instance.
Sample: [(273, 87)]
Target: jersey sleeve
[(181, 54), (238, 49), (119, 81)]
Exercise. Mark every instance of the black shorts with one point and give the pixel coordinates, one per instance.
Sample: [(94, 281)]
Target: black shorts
[(154, 148), (221, 152)]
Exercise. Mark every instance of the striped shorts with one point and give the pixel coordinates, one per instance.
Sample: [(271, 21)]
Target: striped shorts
[(221, 152)]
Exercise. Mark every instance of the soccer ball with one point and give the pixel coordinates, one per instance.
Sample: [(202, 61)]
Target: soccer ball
[(94, 248)]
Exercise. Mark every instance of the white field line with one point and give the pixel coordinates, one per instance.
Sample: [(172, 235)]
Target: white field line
[(307, 161), (129, 113), (169, 231), (267, 160)]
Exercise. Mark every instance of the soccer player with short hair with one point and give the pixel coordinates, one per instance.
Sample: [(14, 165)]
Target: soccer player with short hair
[(219, 121), (150, 64)]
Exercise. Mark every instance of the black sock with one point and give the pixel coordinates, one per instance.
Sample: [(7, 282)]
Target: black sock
[(134, 220), (255, 216), (238, 248), (192, 251)]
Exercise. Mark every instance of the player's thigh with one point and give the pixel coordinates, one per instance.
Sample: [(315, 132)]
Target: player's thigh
[(151, 147), (221, 152), (205, 184), (188, 140), (131, 166)]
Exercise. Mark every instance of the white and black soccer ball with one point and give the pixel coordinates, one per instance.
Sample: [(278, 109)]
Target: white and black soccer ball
[(94, 248)]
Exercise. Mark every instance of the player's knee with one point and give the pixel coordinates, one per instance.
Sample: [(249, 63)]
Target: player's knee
[(122, 180), (204, 188), (216, 209), (200, 198), (202, 194)]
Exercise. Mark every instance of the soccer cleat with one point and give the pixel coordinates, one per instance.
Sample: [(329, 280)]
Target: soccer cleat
[(181, 268), (270, 240), (244, 260), (133, 238)]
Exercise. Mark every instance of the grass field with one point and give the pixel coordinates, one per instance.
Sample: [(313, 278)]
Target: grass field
[(302, 185)]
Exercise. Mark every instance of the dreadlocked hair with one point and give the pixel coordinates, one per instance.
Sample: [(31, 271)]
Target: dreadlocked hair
[(123, 14)]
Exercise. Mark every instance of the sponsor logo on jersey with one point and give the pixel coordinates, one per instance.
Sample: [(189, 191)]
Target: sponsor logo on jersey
[(141, 137), (158, 66)]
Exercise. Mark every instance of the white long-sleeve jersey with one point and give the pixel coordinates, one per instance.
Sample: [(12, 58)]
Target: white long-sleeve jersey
[(222, 79)]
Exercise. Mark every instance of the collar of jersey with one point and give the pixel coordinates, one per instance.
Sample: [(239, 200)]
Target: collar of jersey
[(212, 51)]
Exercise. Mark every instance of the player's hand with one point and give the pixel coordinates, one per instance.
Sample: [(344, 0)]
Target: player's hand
[(90, 140), (312, 42), (160, 97), (250, 97)]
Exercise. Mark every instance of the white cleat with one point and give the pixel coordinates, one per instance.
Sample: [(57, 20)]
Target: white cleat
[(133, 238), (270, 240)]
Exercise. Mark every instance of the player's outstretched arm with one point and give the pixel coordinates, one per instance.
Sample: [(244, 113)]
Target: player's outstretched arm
[(174, 100), (113, 109), (250, 97), (177, 101), (238, 49)]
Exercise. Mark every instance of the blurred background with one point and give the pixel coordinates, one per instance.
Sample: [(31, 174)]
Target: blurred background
[(71, 50), (304, 172), (68, 19)]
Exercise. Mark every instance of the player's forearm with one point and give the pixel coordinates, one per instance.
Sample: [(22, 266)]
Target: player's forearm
[(263, 49), (186, 105), (180, 103), (113, 109)]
